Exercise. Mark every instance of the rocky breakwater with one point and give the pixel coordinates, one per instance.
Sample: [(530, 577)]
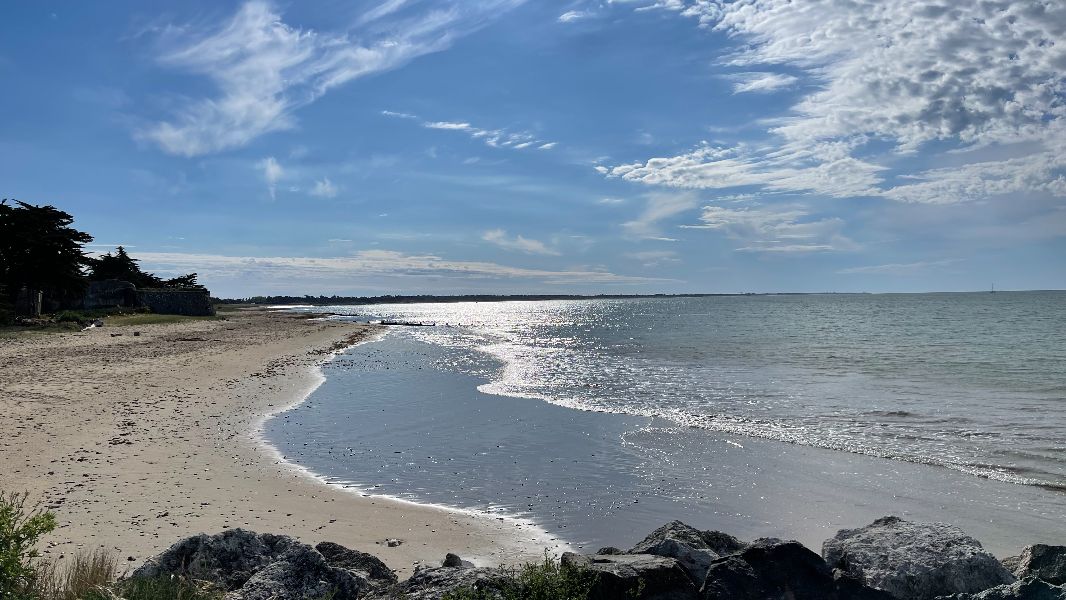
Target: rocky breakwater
[(888, 559)]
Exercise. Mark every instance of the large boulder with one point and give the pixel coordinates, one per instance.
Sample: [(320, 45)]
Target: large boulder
[(634, 576), (915, 561), (693, 549), (771, 569), (1042, 561), (1029, 588), (366, 565), (434, 582), (300, 574), (250, 566)]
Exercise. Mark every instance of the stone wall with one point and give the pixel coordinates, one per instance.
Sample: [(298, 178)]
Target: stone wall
[(177, 302), (110, 293)]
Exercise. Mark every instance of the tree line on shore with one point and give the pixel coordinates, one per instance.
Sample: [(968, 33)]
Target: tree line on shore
[(41, 252)]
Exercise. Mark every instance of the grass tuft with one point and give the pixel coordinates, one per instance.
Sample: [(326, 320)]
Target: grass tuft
[(547, 580)]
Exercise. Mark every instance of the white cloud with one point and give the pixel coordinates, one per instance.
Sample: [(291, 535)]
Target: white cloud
[(572, 15), (272, 173), (786, 229), (496, 138), (824, 167), (307, 271), (324, 188), (660, 206), (500, 238), (611, 201), (762, 82), (263, 68), (911, 73), (899, 268)]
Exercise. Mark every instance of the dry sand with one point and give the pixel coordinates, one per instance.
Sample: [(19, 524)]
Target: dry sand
[(135, 442)]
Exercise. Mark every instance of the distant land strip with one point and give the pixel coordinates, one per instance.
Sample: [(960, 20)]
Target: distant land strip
[(415, 299)]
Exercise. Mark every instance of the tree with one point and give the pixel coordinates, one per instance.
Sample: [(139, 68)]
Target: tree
[(40, 251), (121, 265)]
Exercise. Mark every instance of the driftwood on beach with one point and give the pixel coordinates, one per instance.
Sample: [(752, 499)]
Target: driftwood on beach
[(888, 559)]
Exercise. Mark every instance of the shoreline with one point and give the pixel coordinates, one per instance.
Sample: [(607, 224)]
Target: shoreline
[(136, 442), (543, 540)]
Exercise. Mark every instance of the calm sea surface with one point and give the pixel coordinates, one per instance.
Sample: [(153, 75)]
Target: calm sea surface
[(974, 384)]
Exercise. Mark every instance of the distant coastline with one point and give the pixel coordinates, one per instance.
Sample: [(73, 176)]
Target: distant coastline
[(433, 298), (451, 298)]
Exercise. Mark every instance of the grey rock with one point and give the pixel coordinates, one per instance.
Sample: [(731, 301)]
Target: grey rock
[(635, 576), (610, 550), (1029, 588), (691, 547), (1042, 561), (227, 559), (434, 582), (251, 566), (299, 575), (915, 561), (366, 565), (452, 560), (771, 569)]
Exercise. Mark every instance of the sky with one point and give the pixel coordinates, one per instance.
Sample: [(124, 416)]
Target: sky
[(510, 146)]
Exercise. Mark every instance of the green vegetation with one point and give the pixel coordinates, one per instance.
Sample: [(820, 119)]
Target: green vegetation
[(548, 580), (153, 319), (20, 529), (121, 265), (39, 250)]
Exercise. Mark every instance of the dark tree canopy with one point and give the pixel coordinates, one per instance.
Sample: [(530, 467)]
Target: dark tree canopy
[(121, 265), (39, 250)]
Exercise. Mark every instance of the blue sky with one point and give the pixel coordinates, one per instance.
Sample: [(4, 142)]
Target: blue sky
[(406, 146)]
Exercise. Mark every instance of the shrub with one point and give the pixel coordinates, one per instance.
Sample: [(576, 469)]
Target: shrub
[(20, 528), (84, 577), (157, 588), (548, 580)]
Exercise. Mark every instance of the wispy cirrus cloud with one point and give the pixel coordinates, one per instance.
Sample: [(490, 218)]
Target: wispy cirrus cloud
[(499, 237), (923, 76), (324, 188), (776, 229), (263, 69), (495, 138), (899, 268), (272, 173), (762, 83), (658, 207)]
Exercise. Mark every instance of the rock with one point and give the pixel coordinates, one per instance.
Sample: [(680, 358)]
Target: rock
[(251, 566), (452, 560), (366, 565), (691, 547), (774, 569), (434, 582), (227, 559), (635, 576), (393, 542), (915, 560), (1042, 561), (610, 550), (300, 574), (1029, 588)]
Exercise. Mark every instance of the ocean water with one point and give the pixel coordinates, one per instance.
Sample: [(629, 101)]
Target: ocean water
[(573, 413)]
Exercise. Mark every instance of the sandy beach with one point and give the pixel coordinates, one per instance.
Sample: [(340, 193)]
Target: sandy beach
[(137, 441)]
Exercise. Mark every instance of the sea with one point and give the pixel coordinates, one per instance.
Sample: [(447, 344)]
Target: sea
[(597, 420)]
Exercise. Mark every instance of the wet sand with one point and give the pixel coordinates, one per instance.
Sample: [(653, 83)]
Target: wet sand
[(136, 442)]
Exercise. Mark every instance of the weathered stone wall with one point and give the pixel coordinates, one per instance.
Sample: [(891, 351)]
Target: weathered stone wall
[(177, 302), (109, 293)]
